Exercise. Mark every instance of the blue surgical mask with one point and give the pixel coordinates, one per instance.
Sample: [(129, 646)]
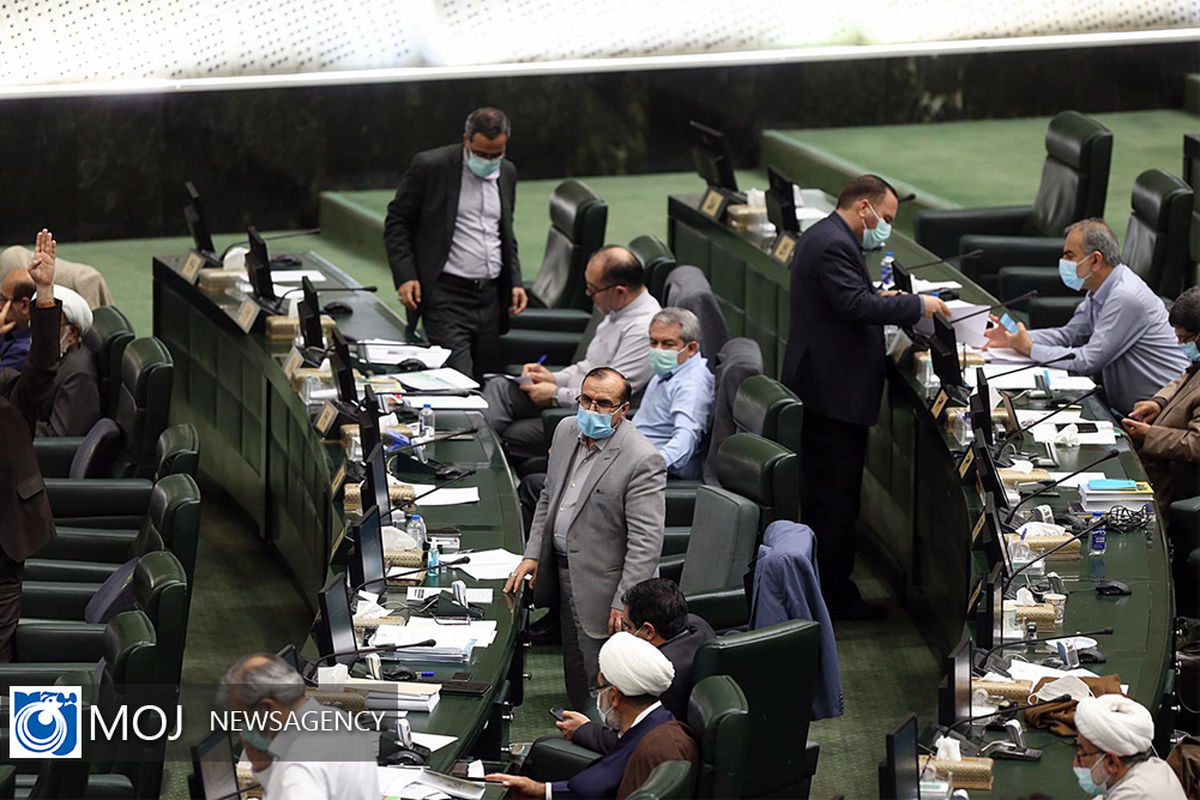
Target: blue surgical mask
[(256, 739), (593, 424), (1190, 351), (662, 360), (1086, 782), (482, 167), (873, 238), (1067, 271)]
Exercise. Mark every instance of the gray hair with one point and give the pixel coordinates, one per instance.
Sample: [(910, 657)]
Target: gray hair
[(689, 322), (1185, 311), (272, 677), (490, 122), (1097, 236)]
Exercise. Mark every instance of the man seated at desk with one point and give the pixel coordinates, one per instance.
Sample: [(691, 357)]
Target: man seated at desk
[(677, 408), (1113, 755), (1119, 331), (633, 674), (616, 283)]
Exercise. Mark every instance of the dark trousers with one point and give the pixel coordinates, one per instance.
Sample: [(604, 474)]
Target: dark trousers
[(464, 316), (529, 491), (833, 453), (10, 603), (514, 416), (580, 652)]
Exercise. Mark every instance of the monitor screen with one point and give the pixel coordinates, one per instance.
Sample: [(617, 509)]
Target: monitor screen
[(900, 774), (901, 280), (193, 214), (335, 626), (781, 204), (989, 630), (711, 156), (944, 352), (981, 418), (1010, 412), (954, 695), (289, 654), (368, 421), (375, 489), (258, 266), (213, 763), (309, 311), (366, 568), (343, 374), (989, 475)]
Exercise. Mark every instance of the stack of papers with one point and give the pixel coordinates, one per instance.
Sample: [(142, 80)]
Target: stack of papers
[(491, 565), (1059, 379), (450, 496), (1103, 494), (419, 594), (454, 642), (443, 379), (384, 351), (439, 402), (397, 695), (419, 783)]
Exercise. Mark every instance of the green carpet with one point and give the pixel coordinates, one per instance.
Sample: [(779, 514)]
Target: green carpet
[(999, 162)]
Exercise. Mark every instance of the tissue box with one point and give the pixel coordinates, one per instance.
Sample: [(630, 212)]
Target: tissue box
[(399, 496), (215, 278), (1042, 614), (741, 217), (1013, 477), (284, 329), (352, 701), (970, 773), (1017, 691), (1040, 544)]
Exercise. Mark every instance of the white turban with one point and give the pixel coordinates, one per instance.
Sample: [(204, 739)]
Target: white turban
[(635, 666), (1115, 724), (75, 308)]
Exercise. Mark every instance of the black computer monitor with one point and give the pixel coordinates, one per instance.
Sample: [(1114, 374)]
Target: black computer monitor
[(981, 418), (943, 349), (343, 373), (368, 422), (367, 569), (711, 156), (954, 693), (375, 489), (1010, 411), (781, 203), (193, 214), (309, 312), (258, 267), (291, 655), (989, 622), (335, 626), (900, 773), (989, 474), (213, 765)]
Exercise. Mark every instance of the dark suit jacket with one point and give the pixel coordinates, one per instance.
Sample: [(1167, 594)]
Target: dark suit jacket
[(25, 520), (671, 741), (75, 396), (420, 223), (602, 778), (835, 356)]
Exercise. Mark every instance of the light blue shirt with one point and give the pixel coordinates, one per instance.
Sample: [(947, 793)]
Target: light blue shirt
[(675, 413), (1121, 332), (475, 247)]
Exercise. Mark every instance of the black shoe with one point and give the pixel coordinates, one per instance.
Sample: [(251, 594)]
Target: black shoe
[(546, 630), (857, 610)]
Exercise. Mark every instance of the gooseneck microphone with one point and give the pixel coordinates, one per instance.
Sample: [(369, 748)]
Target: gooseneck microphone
[(1026, 428), (1004, 712), (960, 257), (1022, 642), (294, 289), (1109, 455), (1002, 304), (1034, 365)]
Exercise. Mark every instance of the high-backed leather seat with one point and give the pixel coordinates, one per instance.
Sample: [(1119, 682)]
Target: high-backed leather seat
[(42, 653), (1191, 174), (143, 405), (686, 287), (578, 218), (1156, 248), (774, 667), (670, 780), (658, 261), (1073, 187), (110, 334), (766, 407), (719, 716)]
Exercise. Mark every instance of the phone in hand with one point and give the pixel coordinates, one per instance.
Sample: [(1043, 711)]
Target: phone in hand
[(1008, 322), (557, 713)]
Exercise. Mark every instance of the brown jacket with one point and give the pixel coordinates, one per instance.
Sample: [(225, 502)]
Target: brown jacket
[(671, 741), (1171, 448), (24, 510)]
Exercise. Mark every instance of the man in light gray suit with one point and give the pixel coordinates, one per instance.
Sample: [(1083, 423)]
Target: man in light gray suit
[(598, 527)]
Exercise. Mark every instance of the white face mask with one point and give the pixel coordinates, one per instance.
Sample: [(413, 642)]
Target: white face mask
[(1068, 684), (608, 718)]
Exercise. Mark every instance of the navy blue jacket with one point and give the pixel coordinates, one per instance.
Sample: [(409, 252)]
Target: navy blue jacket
[(788, 586), (603, 777), (835, 357)]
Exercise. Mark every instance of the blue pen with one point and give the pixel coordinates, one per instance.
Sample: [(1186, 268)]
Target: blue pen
[(425, 674), (541, 361)]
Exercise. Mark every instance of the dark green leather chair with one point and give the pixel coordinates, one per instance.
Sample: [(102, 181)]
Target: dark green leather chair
[(766, 407), (1191, 174), (42, 654), (1156, 248), (111, 502), (670, 780), (172, 522), (53, 611), (1073, 187), (658, 261), (775, 668), (719, 716), (110, 334)]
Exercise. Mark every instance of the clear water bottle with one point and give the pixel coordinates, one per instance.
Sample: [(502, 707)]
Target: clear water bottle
[(1098, 538), (433, 561), (426, 423), (886, 267), (416, 531)]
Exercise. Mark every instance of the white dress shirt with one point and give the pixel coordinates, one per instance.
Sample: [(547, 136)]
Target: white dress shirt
[(622, 341), (312, 765), (475, 245)]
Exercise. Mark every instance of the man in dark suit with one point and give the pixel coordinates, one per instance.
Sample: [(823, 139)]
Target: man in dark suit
[(835, 363), (26, 523), (450, 243)]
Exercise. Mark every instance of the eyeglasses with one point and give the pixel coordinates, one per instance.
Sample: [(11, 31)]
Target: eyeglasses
[(593, 404), (592, 291), (1080, 754), (596, 690)]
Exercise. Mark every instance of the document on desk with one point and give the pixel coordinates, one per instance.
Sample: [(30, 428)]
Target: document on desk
[(439, 402), (1104, 434), (448, 635), (921, 285), (1005, 355), (1024, 379), (437, 380), (297, 275), (419, 783), (450, 496), (966, 331), (1078, 480), (385, 351), (491, 565), (481, 597)]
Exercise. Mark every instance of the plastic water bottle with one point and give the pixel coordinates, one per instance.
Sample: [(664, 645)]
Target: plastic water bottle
[(1098, 538), (432, 561), (416, 530), (426, 423), (886, 269)]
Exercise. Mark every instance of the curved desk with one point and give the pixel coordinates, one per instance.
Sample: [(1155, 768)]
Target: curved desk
[(920, 515), (260, 447)]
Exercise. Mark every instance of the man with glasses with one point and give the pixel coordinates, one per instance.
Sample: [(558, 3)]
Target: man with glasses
[(16, 304), (616, 283), (598, 528), (450, 243), (1113, 754)]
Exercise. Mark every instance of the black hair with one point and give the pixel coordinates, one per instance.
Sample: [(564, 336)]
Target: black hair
[(1185, 311), (659, 602), (872, 187), (621, 266), (488, 122), (604, 372)]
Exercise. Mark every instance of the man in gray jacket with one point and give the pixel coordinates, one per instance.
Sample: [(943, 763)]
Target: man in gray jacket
[(598, 527)]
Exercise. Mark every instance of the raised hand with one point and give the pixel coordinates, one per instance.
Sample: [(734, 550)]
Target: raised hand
[(42, 268)]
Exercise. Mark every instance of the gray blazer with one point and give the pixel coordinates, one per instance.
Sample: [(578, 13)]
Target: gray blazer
[(616, 538)]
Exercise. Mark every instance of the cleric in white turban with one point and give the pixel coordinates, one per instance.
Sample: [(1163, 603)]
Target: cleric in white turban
[(1114, 757), (633, 673), (75, 403)]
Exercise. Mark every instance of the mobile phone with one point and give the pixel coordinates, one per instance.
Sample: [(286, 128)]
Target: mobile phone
[(557, 713), (1009, 324)]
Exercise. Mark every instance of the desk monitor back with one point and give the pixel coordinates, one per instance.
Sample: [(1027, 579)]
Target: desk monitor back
[(900, 773), (343, 374), (335, 627), (954, 694), (368, 421), (309, 312), (710, 154), (781, 203), (943, 349), (193, 215), (375, 490), (213, 765), (367, 569), (258, 268)]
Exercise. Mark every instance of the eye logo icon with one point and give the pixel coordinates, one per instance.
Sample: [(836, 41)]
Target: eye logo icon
[(44, 721)]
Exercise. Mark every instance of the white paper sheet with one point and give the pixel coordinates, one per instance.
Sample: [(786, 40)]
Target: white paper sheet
[(434, 741), (450, 496), (1104, 435), (442, 379), (490, 565), (440, 402), (420, 593), (417, 629), (382, 351), (921, 285), (296, 275)]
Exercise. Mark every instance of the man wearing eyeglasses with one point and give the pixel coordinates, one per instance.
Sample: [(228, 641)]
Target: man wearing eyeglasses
[(598, 528), (1114, 754), (450, 243), (16, 304), (616, 283)]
